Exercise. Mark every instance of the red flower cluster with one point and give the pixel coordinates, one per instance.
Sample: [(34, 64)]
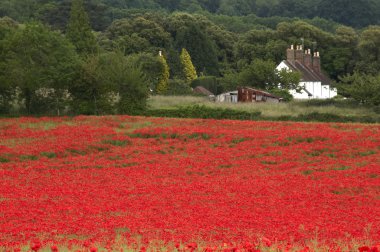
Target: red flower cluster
[(95, 180)]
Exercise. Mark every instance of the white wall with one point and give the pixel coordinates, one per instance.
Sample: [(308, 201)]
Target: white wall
[(318, 90), (328, 92)]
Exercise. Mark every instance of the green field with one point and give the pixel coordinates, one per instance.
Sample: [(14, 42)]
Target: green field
[(338, 108)]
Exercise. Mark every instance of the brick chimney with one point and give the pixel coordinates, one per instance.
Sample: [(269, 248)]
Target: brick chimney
[(299, 54), (290, 54), (317, 62), (307, 59)]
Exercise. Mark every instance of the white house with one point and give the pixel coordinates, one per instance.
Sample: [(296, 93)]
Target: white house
[(315, 84)]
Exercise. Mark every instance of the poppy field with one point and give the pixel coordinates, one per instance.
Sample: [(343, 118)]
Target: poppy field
[(117, 182)]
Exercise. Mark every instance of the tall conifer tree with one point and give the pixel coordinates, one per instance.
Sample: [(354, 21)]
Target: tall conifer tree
[(163, 81), (79, 30), (188, 68)]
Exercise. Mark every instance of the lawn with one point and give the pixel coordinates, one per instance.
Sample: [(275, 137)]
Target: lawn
[(136, 183)]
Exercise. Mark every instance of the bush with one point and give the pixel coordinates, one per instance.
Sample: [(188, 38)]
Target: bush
[(204, 112), (282, 93), (178, 87)]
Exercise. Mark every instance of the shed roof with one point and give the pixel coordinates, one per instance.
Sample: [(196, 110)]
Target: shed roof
[(202, 90)]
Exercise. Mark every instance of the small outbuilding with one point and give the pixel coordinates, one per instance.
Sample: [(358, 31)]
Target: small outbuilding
[(203, 91), (248, 94), (229, 97)]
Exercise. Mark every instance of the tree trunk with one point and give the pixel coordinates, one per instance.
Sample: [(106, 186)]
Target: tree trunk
[(57, 103), (28, 99), (95, 104)]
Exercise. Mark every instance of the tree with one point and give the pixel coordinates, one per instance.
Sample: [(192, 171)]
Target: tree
[(163, 80), (369, 51), (90, 93), (358, 13), (288, 80), (137, 35), (79, 31), (36, 58), (188, 68), (130, 82), (259, 74), (151, 66), (7, 26), (263, 74), (110, 83), (57, 14), (189, 33), (361, 87), (340, 57)]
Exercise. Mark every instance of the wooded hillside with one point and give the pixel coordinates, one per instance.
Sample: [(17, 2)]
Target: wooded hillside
[(358, 13), (227, 43)]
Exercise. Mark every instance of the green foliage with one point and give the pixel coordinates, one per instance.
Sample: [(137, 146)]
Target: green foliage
[(136, 35), (259, 74), (262, 74), (211, 83), (361, 87), (188, 68), (287, 80), (205, 112), (151, 65), (129, 81), (37, 59), (369, 50), (190, 34), (282, 93), (197, 111), (110, 83), (91, 95), (7, 26), (178, 87), (356, 13), (229, 82), (57, 14), (79, 31), (118, 143), (163, 80)]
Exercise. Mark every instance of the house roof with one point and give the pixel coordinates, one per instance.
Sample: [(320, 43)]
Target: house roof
[(202, 90), (307, 73)]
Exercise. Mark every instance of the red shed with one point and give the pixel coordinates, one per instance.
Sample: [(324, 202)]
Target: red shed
[(248, 94)]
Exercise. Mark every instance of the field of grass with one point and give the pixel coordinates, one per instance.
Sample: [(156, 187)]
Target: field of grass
[(270, 110)]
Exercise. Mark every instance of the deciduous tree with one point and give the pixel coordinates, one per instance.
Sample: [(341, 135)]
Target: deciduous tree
[(35, 58)]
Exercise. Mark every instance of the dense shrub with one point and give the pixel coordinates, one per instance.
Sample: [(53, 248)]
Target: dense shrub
[(204, 112), (326, 117), (178, 87), (282, 93)]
